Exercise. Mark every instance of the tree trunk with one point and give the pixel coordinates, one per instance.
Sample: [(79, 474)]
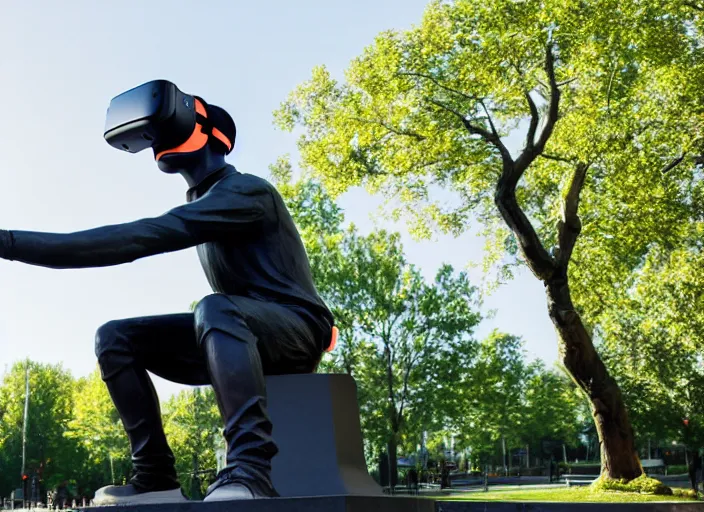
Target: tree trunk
[(392, 450), (619, 458), (528, 456), (589, 445), (195, 481), (503, 451)]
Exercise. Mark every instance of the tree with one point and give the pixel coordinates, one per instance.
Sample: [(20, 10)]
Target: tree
[(96, 427), (50, 404), (494, 397), (193, 426), (512, 403), (603, 87), (409, 341), (552, 409)]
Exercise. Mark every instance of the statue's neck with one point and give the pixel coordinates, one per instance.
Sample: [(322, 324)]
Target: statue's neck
[(196, 174)]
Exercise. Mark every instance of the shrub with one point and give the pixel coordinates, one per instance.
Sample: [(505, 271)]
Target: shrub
[(676, 469), (685, 493), (643, 484)]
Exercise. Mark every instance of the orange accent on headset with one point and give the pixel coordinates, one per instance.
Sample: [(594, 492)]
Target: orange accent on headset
[(200, 109), (198, 139), (222, 137), (333, 340)]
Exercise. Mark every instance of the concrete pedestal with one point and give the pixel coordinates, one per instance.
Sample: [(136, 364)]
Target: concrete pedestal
[(317, 504), (317, 428), (476, 506)]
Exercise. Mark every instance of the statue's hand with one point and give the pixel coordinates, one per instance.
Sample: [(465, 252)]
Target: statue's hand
[(5, 244)]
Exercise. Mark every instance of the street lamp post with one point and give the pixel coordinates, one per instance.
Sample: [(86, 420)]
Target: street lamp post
[(24, 436)]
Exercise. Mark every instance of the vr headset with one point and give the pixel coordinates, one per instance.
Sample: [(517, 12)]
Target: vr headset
[(158, 115)]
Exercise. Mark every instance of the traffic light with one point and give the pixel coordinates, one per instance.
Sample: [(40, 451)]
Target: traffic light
[(25, 477)]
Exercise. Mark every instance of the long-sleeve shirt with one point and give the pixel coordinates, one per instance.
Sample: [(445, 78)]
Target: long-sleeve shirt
[(246, 240)]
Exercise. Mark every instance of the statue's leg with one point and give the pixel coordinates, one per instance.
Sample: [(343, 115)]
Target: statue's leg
[(243, 340), (165, 345)]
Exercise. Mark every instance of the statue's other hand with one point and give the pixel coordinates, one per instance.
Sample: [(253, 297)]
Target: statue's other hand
[(5, 244)]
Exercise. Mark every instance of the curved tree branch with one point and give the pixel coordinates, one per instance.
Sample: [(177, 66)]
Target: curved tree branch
[(533, 149), (556, 158), (674, 163), (391, 129), (441, 85), (553, 109), (611, 83), (570, 226), (491, 137), (538, 259), (530, 152), (534, 118), (491, 122)]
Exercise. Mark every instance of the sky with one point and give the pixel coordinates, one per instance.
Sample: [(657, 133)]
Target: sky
[(61, 64)]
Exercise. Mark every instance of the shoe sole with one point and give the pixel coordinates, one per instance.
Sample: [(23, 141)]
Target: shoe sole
[(172, 496)]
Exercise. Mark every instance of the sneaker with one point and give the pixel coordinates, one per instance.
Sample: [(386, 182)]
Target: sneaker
[(230, 492), (130, 495), (237, 484)]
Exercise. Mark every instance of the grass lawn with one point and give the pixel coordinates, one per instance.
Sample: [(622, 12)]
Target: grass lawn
[(572, 494)]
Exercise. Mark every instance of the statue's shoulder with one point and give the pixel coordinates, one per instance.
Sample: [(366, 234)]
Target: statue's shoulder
[(244, 182)]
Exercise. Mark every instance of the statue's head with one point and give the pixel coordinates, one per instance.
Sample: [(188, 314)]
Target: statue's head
[(183, 131)]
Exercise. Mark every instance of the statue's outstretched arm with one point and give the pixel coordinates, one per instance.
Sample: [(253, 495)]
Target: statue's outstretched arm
[(191, 224)]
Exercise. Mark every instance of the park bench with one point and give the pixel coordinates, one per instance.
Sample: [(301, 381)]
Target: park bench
[(652, 466), (15, 501)]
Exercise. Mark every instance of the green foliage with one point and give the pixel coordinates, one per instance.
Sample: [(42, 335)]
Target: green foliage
[(494, 397), (643, 484), (581, 494), (396, 122), (405, 340), (75, 433), (50, 405), (677, 469), (684, 493), (97, 429), (653, 341), (554, 408), (515, 401), (193, 427)]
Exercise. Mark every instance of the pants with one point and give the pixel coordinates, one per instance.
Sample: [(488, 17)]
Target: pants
[(693, 478), (228, 342)]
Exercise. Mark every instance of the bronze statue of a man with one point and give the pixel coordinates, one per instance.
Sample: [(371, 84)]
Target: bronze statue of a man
[(265, 316)]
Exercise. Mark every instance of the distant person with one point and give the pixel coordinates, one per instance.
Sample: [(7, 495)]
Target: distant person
[(413, 481), (444, 477), (62, 495), (694, 466), (384, 470)]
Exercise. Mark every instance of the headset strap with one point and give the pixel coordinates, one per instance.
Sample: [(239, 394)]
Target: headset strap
[(208, 129)]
